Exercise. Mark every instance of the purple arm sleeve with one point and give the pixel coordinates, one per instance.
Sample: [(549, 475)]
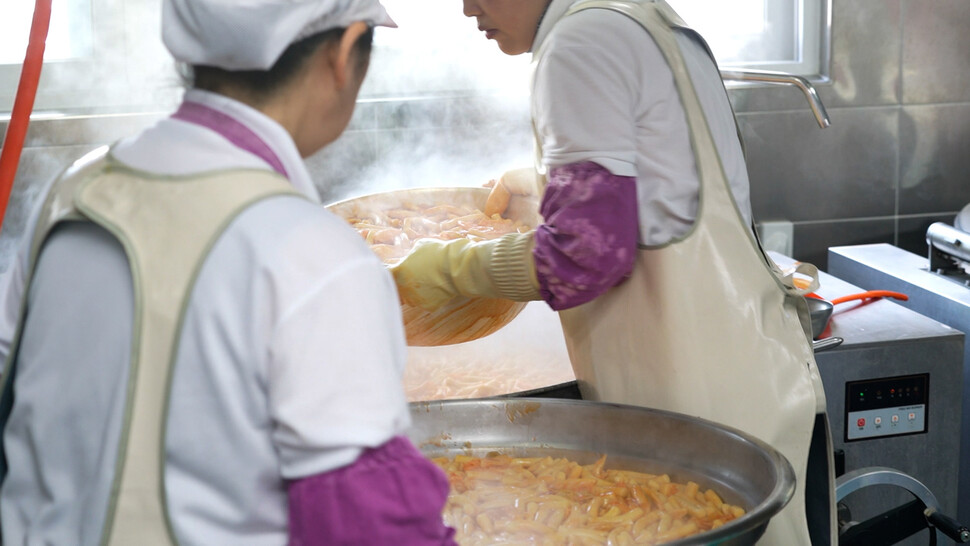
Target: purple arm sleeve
[(390, 495), (588, 241)]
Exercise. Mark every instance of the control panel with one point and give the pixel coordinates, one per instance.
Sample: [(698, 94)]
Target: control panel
[(888, 406)]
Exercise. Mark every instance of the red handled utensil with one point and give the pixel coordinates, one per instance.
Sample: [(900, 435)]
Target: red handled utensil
[(870, 295), (821, 310)]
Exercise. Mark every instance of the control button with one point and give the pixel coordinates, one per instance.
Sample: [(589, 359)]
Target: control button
[(895, 419), (912, 416), (861, 422), (877, 421)]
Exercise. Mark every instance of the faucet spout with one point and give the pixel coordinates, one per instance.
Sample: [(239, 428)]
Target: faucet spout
[(765, 76)]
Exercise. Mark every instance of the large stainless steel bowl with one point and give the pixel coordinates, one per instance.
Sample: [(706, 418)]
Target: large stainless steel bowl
[(463, 319), (744, 470)]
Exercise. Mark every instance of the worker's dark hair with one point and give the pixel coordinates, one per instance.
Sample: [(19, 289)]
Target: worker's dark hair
[(262, 83)]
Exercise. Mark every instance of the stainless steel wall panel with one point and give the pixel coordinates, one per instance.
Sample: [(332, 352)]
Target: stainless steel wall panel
[(911, 231), (866, 44), (935, 61), (72, 130), (934, 147), (800, 172), (812, 239)]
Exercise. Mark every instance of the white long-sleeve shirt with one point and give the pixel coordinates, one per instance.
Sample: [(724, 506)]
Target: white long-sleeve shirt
[(603, 92), (289, 363)]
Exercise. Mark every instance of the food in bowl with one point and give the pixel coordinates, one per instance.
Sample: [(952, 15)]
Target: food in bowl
[(392, 232), (444, 213), (741, 469), (557, 501)]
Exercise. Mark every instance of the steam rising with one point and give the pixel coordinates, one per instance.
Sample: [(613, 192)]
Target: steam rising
[(435, 50), (448, 108), (441, 105), (457, 152)]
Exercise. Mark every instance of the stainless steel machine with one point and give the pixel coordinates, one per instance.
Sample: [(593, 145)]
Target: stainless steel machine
[(893, 392), (939, 288)]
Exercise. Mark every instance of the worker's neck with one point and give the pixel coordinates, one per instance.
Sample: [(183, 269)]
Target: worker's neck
[(312, 119)]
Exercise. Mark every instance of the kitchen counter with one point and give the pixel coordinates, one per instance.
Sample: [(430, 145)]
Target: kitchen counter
[(871, 322)]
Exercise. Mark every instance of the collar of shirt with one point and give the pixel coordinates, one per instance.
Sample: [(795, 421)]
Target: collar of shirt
[(176, 147), (271, 132), (554, 12)]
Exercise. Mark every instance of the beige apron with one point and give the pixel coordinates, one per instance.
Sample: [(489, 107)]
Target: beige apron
[(709, 326), (167, 226)]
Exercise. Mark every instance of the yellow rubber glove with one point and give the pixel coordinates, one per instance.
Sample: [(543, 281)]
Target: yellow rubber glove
[(435, 271)]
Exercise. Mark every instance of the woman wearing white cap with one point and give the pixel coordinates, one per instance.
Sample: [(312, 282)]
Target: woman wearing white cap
[(204, 354), (665, 296)]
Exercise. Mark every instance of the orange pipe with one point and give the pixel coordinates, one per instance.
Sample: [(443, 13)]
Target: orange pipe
[(23, 104)]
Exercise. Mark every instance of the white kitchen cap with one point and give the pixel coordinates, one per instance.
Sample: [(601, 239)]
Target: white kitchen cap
[(252, 34)]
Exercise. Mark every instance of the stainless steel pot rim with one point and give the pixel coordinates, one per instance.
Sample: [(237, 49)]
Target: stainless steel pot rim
[(755, 516)]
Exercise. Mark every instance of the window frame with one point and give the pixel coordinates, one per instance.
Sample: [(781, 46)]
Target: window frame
[(815, 44)]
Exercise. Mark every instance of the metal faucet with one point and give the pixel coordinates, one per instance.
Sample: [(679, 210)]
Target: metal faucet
[(788, 79)]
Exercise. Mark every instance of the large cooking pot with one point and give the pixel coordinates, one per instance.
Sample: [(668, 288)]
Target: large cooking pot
[(744, 470), (463, 319)]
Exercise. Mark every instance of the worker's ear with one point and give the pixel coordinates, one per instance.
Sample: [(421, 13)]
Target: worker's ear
[(345, 62)]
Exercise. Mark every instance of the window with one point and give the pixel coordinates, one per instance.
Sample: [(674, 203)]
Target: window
[(780, 35), (439, 50), (100, 55), (69, 35)]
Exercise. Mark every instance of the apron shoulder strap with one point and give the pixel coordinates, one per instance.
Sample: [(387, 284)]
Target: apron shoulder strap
[(164, 264)]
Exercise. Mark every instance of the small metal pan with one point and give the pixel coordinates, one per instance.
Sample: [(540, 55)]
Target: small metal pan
[(821, 311)]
